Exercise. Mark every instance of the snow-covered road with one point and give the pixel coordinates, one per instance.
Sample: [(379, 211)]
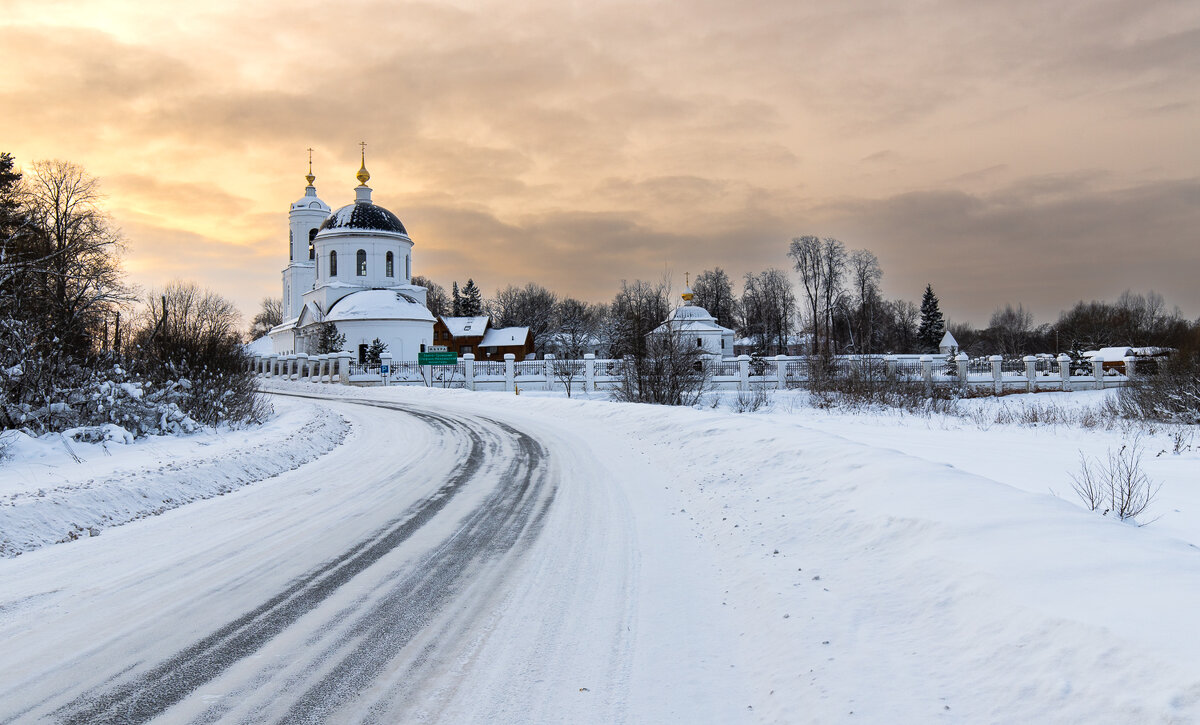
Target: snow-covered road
[(438, 566)]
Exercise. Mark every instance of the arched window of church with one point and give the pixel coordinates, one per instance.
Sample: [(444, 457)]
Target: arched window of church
[(407, 267), (332, 263), (291, 244), (390, 260), (362, 263), (699, 342), (312, 250)]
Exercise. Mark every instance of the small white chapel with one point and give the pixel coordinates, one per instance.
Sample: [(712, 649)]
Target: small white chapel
[(351, 267)]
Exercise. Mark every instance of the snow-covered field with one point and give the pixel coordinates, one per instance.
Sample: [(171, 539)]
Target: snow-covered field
[(788, 565)]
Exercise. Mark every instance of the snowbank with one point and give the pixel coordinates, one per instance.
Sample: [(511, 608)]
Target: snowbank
[(53, 489)]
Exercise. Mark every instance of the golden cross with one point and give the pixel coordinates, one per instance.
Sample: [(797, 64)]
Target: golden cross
[(686, 280), (363, 144), (310, 160)]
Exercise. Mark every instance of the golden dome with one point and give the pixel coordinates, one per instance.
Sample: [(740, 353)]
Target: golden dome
[(687, 289), (363, 175)]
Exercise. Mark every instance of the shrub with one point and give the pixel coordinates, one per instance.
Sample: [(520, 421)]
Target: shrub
[(670, 373), (1170, 395), (1116, 484), (748, 401)]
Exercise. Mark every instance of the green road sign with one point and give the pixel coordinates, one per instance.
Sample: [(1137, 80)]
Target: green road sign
[(437, 358)]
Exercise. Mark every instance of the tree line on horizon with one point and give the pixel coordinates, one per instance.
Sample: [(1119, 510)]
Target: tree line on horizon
[(840, 309)]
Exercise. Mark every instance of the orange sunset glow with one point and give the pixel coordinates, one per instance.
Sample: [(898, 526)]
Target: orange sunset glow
[(1019, 152)]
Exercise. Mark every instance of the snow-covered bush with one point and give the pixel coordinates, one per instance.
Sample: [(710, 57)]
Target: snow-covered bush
[(188, 339), (1169, 394), (104, 403)]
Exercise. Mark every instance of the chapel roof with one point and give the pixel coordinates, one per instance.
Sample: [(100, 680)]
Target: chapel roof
[(364, 217)]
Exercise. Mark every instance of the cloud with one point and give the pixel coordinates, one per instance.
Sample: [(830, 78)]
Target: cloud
[(1007, 149)]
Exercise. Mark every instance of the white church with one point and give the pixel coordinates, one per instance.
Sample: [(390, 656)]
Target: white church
[(351, 267)]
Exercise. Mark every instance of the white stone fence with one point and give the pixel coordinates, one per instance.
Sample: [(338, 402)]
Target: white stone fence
[(1030, 374)]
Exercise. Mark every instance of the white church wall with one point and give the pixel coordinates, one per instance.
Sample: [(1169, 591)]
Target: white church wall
[(403, 337)]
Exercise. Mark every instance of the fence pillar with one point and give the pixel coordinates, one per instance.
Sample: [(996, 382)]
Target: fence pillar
[(781, 362), (343, 366), (889, 366), (385, 358), (743, 372), (1098, 371), (1130, 367), (301, 366), (589, 373), (549, 369), (1031, 373), (1064, 370), (997, 373), (927, 372), (509, 370), (960, 362), (469, 370)]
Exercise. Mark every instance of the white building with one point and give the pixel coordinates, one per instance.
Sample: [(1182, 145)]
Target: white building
[(948, 345), (696, 326), (353, 268)]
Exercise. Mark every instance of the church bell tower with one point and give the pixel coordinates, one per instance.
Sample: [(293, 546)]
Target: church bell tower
[(304, 219)]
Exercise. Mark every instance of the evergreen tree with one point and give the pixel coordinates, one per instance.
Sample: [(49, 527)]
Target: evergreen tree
[(457, 301), (472, 300), (375, 350), (933, 327), (329, 340)]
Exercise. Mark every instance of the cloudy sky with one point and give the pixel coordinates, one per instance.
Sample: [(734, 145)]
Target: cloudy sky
[(1019, 151)]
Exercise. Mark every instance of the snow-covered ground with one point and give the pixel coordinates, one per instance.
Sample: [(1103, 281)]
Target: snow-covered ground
[(788, 565), (54, 490)]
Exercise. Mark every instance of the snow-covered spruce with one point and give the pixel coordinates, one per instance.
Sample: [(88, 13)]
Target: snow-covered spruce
[(33, 514)]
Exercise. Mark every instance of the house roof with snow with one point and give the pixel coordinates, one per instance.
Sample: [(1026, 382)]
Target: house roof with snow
[(948, 341), (466, 326), (1110, 354), (505, 337)]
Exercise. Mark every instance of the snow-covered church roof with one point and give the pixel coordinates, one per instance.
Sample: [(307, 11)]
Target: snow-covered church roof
[(364, 217), (378, 304), (948, 340)]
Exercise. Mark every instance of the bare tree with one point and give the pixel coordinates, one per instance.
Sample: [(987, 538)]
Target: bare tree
[(270, 315), (437, 300), (822, 266), (1010, 329), (70, 257), (865, 275), (638, 308), (714, 292), (768, 308), (576, 328), (531, 306)]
